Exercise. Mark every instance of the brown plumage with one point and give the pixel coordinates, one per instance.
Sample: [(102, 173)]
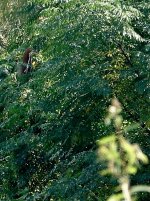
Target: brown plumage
[(25, 67), (26, 55)]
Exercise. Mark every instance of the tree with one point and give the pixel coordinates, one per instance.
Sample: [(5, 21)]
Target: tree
[(89, 51)]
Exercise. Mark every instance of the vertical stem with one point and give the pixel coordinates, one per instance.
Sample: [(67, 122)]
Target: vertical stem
[(125, 188)]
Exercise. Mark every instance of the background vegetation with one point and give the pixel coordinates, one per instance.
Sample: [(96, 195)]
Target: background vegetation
[(88, 52)]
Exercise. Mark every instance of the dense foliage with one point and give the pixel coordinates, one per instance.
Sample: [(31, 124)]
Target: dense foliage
[(88, 52)]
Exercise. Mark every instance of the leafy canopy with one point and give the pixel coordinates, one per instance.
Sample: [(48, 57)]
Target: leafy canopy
[(88, 52)]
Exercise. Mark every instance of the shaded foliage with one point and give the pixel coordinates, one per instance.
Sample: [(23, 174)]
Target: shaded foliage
[(88, 52)]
